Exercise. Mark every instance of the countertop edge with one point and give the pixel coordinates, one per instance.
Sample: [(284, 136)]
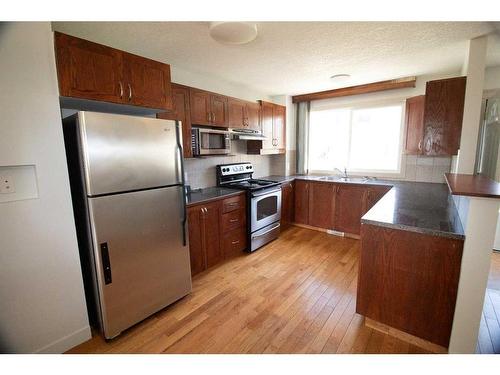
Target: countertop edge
[(212, 199)]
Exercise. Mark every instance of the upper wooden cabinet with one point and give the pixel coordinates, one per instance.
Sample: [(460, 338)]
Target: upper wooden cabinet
[(181, 112), (414, 125), (243, 114), (273, 123), (443, 115), (208, 108), (434, 121), (88, 70)]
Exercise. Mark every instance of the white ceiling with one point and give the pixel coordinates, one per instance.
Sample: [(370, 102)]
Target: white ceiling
[(299, 57)]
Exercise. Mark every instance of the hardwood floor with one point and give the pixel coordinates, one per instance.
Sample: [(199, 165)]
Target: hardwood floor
[(296, 295), (489, 329)]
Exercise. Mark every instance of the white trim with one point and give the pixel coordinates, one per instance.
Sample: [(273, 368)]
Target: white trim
[(67, 342)]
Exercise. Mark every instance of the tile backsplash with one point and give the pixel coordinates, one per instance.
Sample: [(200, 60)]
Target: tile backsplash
[(426, 168), (200, 172)]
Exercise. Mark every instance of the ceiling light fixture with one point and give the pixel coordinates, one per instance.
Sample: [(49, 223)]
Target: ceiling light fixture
[(233, 32), (339, 77)]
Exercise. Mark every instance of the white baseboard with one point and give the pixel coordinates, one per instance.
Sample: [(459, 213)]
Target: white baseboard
[(67, 342)]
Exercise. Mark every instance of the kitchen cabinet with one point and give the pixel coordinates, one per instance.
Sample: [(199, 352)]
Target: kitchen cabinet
[(243, 115), (181, 112), (414, 125), (88, 70), (217, 231), (302, 202), (322, 204), (273, 124), (350, 205), (434, 120), (443, 115), (337, 206), (204, 240), (208, 108), (287, 204), (409, 281)]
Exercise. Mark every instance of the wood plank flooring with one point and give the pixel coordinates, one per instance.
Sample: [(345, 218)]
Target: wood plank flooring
[(296, 295), (489, 329)]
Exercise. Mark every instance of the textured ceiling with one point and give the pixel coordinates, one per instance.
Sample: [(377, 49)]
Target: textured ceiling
[(299, 57)]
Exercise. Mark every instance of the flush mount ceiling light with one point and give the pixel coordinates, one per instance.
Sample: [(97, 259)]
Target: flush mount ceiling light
[(233, 32), (340, 77)]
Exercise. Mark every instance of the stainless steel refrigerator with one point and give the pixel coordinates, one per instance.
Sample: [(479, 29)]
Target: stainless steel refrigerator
[(127, 186)]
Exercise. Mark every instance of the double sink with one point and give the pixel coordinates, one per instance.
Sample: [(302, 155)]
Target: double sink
[(358, 180)]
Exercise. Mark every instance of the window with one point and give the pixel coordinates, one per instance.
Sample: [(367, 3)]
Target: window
[(362, 139)]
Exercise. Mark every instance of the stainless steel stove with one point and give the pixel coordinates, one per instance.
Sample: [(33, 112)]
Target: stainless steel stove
[(263, 202)]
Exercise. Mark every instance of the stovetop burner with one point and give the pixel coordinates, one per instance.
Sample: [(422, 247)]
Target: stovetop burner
[(252, 184)]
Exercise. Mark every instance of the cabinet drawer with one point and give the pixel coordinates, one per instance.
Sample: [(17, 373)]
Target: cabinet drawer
[(234, 242), (233, 203), (233, 220)]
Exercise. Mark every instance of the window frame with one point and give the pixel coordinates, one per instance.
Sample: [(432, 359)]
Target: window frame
[(400, 172)]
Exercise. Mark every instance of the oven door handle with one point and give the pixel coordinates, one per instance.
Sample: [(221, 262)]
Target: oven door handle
[(265, 193), (267, 231)]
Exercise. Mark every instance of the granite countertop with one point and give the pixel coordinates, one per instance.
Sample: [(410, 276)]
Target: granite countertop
[(414, 206), (210, 194)]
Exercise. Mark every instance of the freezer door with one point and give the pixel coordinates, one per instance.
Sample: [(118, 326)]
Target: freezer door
[(124, 153), (141, 263)]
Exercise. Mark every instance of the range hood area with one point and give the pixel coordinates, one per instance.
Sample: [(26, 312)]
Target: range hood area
[(246, 135)]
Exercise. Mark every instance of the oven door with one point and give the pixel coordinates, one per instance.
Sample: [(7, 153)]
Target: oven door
[(213, 142), (265, 208)]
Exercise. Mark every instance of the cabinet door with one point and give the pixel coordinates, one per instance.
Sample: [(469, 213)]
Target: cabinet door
[(180, 111), (237, 118), (252, 112), (444, 108), (373, 195), (287, 204), (218, 105), (321, 204), (147, 82), (349, 207), (279, 115), (211, 225), (88, 70), (302, 202), (414, 124), (267, 125), (196, 234), (200, 107)]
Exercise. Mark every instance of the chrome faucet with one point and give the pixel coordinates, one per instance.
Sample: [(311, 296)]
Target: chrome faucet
[(344, 173)]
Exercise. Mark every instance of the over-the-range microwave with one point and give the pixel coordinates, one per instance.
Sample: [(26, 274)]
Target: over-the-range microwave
[(206, 141)]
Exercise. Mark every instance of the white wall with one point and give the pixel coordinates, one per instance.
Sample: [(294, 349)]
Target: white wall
[(215, 84), (474, 68), (492, 78), (42, 306)]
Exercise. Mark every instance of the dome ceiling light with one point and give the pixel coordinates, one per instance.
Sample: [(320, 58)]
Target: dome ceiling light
[(233, 32), (339, 79)]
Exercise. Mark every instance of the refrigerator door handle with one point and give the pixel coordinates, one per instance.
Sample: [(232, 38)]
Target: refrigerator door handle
[(184, 197)]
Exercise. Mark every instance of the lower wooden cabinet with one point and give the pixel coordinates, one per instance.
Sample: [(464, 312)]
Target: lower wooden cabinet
[(409, 281), (337, 206), (287, 204), (217, 230), (322, 204), (302, 202)]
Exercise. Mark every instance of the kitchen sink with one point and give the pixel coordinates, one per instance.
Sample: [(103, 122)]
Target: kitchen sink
[(344, 179)]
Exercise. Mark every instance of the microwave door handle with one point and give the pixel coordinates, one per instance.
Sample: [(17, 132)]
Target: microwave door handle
[(183, 182)]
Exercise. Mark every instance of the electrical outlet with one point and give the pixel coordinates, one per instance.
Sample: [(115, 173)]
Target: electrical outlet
[(7, 185)]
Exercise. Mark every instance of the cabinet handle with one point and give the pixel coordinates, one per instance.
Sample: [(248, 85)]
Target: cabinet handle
[(129, 92), (235, 242), (213, 116), (232, 204), (208, 116), (121, 89), (233, 220), (420, 145)]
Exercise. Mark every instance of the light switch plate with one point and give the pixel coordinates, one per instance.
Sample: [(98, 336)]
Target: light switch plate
[(7, 184)]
